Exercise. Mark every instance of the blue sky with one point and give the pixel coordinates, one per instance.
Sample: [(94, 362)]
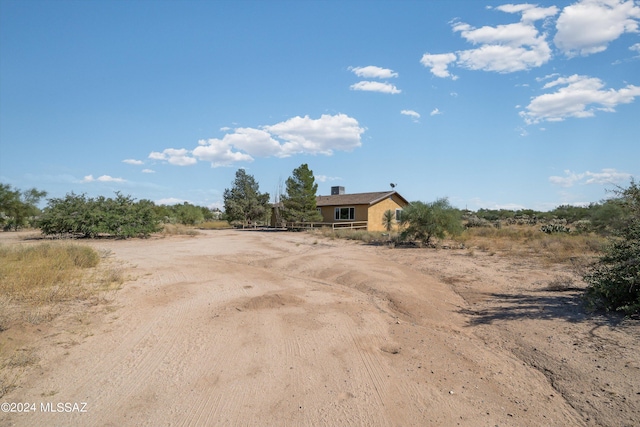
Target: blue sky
[(491, 104)]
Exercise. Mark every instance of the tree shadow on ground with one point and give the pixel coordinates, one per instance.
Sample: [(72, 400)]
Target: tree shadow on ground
[(541, 305)]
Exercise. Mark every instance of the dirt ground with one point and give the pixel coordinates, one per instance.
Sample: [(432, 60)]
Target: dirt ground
[(259, 328)]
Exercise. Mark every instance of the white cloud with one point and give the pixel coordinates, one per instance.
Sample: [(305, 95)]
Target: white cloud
[(413, 114), (504, 49), (439, 63), (373, 72), (170, 201), (298, 135), (178, 157), (435, 112), (148, 171), (604, 177), (577, 96), (133, 162), (529, 12), (320, 136), (588, 26), (484, 204), (219, 152), (324, 178), (102, 178), (370, 86), (257, 142)]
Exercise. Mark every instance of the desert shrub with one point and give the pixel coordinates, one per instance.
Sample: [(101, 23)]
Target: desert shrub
[(474, 221), (424, 221), (614, 280), (582, 226), (77, 215)]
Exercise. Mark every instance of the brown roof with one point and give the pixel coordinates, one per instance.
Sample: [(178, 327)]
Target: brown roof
[(356, 199)]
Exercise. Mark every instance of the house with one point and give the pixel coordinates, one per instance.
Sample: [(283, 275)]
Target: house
[(358, 210)]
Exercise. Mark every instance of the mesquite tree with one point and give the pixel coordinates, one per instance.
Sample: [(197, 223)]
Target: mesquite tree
[(614, 280)]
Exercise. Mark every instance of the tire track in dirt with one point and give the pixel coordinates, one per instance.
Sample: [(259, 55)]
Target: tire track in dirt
[(246, 328)]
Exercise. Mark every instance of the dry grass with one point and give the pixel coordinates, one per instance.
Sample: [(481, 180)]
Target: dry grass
[(178, 230), (39, 282), (350, 234), (214, 225), (529, 241), (45, 273)]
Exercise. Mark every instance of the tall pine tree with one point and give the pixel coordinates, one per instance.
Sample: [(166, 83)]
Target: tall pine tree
[(299, 203), (244, 202)]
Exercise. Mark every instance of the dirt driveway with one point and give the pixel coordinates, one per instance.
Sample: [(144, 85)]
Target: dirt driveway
[(285, 329)]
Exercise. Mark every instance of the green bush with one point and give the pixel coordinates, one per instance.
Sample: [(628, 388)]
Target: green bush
[(424, 221), (614, 280), (18, 208), (78, 215)]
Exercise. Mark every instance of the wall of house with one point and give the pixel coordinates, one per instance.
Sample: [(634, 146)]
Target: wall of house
[(328, 213), (377, 211)]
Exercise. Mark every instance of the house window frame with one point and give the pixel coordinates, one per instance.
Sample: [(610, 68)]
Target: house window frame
[(398, 215), (351, 213)]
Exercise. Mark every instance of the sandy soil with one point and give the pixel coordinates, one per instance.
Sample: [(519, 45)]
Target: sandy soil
[(273, 328)]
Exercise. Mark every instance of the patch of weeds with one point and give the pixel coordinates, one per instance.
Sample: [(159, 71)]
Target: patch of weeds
[(8, 381), (560, 284), (38, 315), (178, 230), (22, 358), (113, 276)]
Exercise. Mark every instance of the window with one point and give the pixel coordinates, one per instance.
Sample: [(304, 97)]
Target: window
[(398, 215), (345, 214)]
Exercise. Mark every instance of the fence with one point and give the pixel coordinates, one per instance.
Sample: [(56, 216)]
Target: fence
[(335, 225)]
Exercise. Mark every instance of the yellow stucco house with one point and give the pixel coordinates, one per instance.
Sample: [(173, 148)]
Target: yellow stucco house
[(359, 210)]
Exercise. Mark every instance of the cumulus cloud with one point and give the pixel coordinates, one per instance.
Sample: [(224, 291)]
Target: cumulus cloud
[(373, 72), (298, 135), (588, 26), (504, 48), (133, 162), (604, 177), (103, 178), (435, 112), (576, 96), (413, 114), (148, 171), (370, 86), (439, 64), (178, 157), (219, 152), (319, 136)]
